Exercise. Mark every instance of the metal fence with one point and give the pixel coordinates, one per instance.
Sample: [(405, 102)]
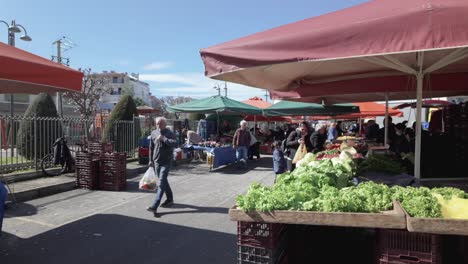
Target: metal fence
[(25, 140)]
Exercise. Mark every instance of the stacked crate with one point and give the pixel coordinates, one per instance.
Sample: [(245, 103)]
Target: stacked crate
[(261, 243), (403, 247), (100, 147), (87, 168), (456, 127), (112, 171)]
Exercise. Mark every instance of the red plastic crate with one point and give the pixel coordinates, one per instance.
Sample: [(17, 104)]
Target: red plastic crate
[(86, 170), (109, 181), (100, 147), (403, 247), (259, 234)]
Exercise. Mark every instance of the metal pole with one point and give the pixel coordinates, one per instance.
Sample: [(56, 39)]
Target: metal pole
[(386, 120), (417, 160), (11, 42), (58, 94)]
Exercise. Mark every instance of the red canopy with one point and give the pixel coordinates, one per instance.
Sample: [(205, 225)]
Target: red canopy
[(425, 103), (355, 54), (23, 72), (258, 102)]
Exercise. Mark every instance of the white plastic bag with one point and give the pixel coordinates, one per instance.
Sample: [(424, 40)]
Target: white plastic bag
[(253, 140), (149, 181)]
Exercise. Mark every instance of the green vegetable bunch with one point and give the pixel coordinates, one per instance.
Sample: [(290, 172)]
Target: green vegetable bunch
[(381, 163)]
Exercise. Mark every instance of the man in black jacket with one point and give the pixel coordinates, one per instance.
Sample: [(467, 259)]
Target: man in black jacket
[(161, 155), (318, 138), (301, 135)]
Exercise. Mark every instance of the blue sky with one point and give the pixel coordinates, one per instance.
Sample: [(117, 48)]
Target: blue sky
[(158, 39)]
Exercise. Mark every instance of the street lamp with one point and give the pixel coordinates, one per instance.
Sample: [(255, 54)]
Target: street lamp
[(14, 28)]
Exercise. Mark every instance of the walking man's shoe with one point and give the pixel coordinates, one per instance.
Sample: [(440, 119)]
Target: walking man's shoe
[(167, 203), (151, 209)]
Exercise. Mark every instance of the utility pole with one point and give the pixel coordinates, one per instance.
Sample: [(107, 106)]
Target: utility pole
[(61, 42), (216, 87), (225, 89), (58, 96)]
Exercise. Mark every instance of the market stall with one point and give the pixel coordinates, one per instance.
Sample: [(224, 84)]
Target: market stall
[(376, 51), (219, 150)]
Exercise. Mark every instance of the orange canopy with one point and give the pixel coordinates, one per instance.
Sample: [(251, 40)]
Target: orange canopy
[(258, 102), (366, 109), (24, 72)]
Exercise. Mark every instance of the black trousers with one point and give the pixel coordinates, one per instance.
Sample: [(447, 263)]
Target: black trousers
[(254, 150)]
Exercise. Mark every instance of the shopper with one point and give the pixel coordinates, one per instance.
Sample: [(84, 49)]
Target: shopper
[(339, 129), (301, 135), (3, 195), (318, 138), (161, 155), (279, 162), (241, 143), (332, 132), (192, 136)]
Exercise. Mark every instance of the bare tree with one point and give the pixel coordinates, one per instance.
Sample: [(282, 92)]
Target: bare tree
[(94, 86), (163, 102)]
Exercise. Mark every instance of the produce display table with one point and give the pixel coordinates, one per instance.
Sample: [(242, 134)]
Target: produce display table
[(394, 219), (222, 156), (218, 156)]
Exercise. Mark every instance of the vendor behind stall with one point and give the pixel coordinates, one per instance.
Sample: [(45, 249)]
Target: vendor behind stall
[(225, 128)]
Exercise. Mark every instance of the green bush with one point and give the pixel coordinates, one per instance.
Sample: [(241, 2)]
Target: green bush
[(47, 131), (117, 130)]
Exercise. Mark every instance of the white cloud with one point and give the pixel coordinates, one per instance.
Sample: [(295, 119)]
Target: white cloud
[(196, 85), (157, 65)]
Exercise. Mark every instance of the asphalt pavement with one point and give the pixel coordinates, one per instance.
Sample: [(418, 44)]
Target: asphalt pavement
[(82, 226)]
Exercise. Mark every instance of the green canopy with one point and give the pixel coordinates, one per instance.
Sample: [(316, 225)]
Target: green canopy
[(288, 108), (215, 104)]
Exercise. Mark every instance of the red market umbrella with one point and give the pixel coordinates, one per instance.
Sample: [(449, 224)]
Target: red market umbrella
[(144, 109), (23, 72), (425, 104), (355, 54), (377, 50)]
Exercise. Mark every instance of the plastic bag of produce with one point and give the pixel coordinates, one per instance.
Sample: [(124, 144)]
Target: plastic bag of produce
[(300, 153), (149, 180)]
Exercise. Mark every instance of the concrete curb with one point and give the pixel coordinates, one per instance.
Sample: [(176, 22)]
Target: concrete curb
[(66, 185)]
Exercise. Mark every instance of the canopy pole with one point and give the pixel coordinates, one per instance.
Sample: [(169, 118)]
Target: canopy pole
[(217, 125), (417, 160), (255, 125), (419, 90), (386, 120)]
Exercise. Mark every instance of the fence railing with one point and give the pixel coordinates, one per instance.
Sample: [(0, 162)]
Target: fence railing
[(24, 140)]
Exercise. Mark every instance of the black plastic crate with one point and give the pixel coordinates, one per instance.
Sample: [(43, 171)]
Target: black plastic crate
[(400, 246), (259, 255), (259, 234)]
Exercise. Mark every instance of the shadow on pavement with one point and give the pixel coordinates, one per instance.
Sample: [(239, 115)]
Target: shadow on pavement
[(118, 239), (262, 164), (20, 209), (194, 209)]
